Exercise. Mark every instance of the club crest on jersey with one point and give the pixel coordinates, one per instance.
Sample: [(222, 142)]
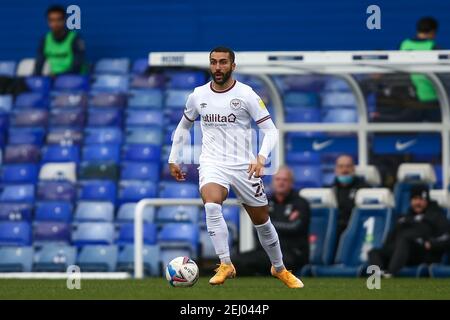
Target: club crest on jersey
[(235, 104)]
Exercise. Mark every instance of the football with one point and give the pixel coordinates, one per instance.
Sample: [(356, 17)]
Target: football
[(182, 272)]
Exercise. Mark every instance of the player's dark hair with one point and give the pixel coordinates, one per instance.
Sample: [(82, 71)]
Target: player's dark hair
[(427, 24), (224, 49), (56, 8)]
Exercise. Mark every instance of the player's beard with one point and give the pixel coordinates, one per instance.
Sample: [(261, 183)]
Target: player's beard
[(225, 77)]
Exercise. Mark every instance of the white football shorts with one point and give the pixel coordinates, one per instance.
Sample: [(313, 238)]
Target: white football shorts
[(248, 191)]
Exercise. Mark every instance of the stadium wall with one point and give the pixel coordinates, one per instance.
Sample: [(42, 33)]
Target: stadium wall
[(132, 28)]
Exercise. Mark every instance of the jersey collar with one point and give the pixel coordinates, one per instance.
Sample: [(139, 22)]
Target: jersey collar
[(216, 91)]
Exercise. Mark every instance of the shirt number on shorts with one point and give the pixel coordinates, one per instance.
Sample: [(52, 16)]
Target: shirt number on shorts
[(259, 188)]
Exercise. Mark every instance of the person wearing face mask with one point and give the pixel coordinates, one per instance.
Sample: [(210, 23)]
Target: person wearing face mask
[(345, 185), (422, 235)]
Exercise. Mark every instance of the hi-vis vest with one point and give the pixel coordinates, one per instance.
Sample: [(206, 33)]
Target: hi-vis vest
[(59, 54), (424, 88)]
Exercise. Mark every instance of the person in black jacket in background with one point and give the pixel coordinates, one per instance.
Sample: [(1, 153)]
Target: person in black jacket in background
[(290, 215), (420, 236), (345, 186)]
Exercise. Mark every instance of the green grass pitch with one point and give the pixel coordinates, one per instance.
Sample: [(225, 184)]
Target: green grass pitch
[(236, 289)]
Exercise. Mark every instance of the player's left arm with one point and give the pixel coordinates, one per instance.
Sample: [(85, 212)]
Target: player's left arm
[(258, 111)]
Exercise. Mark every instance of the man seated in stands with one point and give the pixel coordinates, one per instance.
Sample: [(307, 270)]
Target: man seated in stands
[(345, 185), (420, 236), (290, 215), (63, 49)]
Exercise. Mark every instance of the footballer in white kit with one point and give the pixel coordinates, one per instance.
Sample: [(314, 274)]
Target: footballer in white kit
[(226, 108)]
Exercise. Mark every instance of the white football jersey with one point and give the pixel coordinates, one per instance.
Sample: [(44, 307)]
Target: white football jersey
[(226, 117)]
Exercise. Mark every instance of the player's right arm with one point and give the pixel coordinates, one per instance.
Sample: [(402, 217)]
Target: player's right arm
[(180, 137)]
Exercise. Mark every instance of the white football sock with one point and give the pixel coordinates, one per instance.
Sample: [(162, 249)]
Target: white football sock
[(218, 231), (268, 237)]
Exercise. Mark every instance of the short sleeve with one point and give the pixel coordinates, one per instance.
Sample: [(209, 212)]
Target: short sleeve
[(190, 110), (256, 108)]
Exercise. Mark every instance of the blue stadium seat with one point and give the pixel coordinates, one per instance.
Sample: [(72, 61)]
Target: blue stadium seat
[(51, 231), (66, 137), (145, 99), (322, 227), (6, 102), (16, 259), (98, 190), (54, 257), (90, 233), (186, 79), (108, 99), (125, 261), (16, 211), (176, 238), (73, 117), (55, 153), (409, 174), (17, 193), (101, 152), (336, 84), (176, 99), (302, 115), (174, 116), (21, 153), (304, 82), (141, 152), (71, 82), (18, 173), (30, 118), (69, 100), (94, 211), (368, 227), (126, 213), (98, 170), (152, 81), (341, 115), (301, 157), (338, 100), (8, 68), (22, 136), (15, 233), (301, 99), (32, 100), (307, 176), (97, 258), (139, 66), (56, 191), (38, 84), (441, 270), (178, 190), (110, 83), (105, 135), (140, 118), (144, 136), (133, 191), (126, 234), (140, 171), (112, 66), (4, 123), (231, 214), (60, 211), (104, 117), (179, 213)]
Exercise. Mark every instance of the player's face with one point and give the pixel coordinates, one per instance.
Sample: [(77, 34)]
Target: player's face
[(418, 204), (56, 22), (221, 67)]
